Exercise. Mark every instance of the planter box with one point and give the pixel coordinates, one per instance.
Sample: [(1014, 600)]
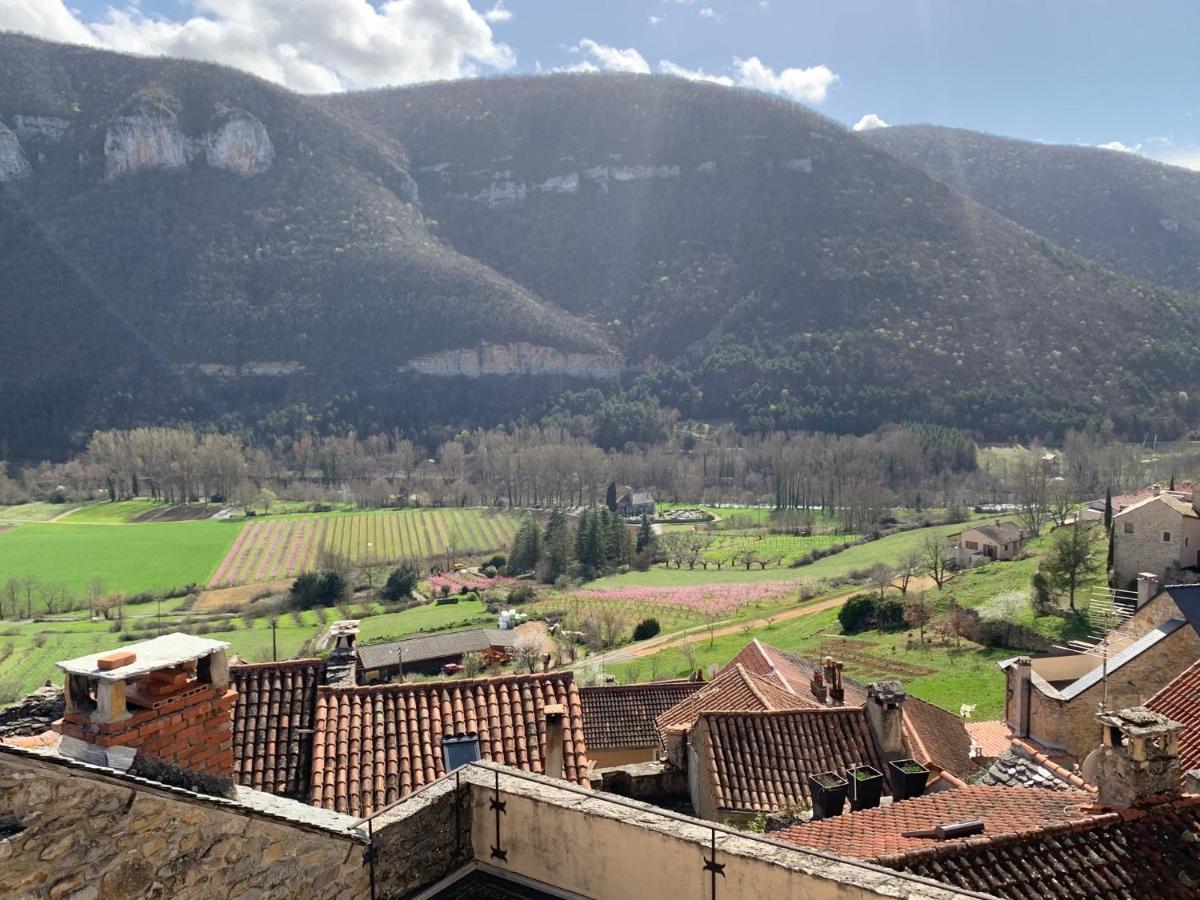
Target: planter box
[(866, 787), (828, 791), (908, 778)]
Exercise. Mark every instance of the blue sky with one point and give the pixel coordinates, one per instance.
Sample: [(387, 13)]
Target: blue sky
[(1069, 71)]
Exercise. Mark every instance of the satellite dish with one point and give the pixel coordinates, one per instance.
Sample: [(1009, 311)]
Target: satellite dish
[(1091, 765)]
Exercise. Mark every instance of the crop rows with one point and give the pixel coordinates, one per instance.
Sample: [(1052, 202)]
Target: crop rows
[(282, 548)]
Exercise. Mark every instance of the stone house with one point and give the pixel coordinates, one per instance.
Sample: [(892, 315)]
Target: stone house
[(619, 719), (1052, 699), (633, 503), (1159, 535), (987, 543)]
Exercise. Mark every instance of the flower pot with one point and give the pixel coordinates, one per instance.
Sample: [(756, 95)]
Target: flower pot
[(828, 791), (908, 778), (866, 787)]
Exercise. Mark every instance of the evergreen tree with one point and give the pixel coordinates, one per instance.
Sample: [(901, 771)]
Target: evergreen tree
[(1071, 560), (610, 497), (645, 535), (527, 548), (1108, 508), (556, 547), (581, 533)]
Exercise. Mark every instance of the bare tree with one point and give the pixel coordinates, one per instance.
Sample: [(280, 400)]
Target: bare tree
[(527, 652), (918, 612), (1061, 501), (688, 649), (881, 578), (906, 570), (1032, 495), (936, 556)]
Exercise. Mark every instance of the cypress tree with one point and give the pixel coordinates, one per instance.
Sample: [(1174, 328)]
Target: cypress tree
[(610, 497), (556, 544), (645, 535), (1108, 508)]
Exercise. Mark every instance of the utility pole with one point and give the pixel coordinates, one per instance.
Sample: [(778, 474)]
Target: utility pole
[(274, 647)]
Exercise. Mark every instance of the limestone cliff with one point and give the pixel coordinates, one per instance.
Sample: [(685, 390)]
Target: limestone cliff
[(40, 129), (239, 143), (13, 164), (518, 358), (147, 137)]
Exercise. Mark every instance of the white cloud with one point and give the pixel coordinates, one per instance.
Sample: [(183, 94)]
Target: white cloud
[(1123, 148), (498, 13), (706, 12), (308, 45), (811, 84), (868, 122), (657, 20), (610, 59), (669, 68)]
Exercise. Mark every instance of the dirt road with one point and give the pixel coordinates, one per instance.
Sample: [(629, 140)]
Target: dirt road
[(675, 639)]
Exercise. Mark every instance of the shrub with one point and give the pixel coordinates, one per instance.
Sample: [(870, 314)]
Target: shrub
[(521, 593), (490, 571), (318, 589), (647, 628), (857, 613), (499, 561)]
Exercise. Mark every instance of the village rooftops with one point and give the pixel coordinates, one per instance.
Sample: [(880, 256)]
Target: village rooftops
[(623, 715), (735, 689), (1179, 701), (1181, 505), (163, 652), (885, 834), (433, 646)]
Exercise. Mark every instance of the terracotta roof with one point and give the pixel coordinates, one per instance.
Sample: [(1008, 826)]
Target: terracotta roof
[(792, 672), (1138, 852), (878, 834), (1179, 504), (374, 745), (1180, 700), (933, 735), (272, 725), (760, 761), (990, 736), (620, 716), (735, 689)]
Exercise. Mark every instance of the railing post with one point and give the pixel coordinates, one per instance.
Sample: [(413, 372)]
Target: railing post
[(500, 806), (712, 866)]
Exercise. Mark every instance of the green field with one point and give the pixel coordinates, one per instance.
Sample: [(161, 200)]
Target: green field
[(112, 513), (33, 512), (127, 558)]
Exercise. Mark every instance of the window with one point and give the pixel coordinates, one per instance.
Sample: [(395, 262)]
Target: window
[(1129, 528), (972, 545), (1166, 537)]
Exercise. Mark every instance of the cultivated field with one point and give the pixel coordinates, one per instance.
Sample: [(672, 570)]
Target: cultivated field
[(280, 548)]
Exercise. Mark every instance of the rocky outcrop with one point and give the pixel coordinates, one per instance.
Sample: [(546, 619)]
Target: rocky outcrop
[(239, 143), (147, 137), (503, 191), (517, 359), (40, 129), (13, 164), (261, 369)]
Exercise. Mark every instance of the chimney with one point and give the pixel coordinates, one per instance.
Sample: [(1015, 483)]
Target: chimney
[(885, 717), (1139, 758), (816, 684), (1020, 678), (833, 682), (555, 714), (1147, 588), (1156, 488), (341, 669), (168, 699), (1191, 781)]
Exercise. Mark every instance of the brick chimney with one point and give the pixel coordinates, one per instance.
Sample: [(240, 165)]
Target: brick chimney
[(885, 717), (1147, 588), (1139, 758), (555, 715), (168, 699), (341, 669), (833, 682), (816, 684)]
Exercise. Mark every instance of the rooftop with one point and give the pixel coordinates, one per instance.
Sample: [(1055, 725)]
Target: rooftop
[(760, 761), (273, 725), (880, 834), (158, 653), (1180, 701), (735, 689), (374, 745), (620, 716), (433, 646), (1180, 504)]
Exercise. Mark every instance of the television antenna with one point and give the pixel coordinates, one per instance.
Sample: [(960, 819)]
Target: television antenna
[(1107, 612)]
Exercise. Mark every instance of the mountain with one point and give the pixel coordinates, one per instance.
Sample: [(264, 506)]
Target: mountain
[(186, 242), (784, 272), (183, 231), (1136, 215)]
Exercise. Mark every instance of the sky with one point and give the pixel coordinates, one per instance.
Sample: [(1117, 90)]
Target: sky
[(1099, 72)]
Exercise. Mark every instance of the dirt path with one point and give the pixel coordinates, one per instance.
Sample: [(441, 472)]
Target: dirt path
[(675, 639)]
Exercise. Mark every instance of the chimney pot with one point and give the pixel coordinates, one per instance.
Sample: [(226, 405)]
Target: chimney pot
[(1147, 588), (885, 716), (1139, 758)]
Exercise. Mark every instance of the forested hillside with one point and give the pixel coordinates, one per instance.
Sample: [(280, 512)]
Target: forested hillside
[(185, 243), (1139, 216)]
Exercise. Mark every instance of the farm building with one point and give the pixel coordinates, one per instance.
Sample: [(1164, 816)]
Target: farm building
[(427, 654), (985, 543), (635, 503)]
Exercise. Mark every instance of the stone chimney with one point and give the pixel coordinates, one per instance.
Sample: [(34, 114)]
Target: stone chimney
[(341, 670), (1147, 588), (816, 684), (1191, 781), (885, 717), (1156, 488), (168, 699), (555, 717), (1020, 680), (1139, 758)]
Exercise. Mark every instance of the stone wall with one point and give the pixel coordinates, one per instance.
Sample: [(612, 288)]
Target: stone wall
[(87, 835), (429, 839), (1071, 724), (1145, 550)]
